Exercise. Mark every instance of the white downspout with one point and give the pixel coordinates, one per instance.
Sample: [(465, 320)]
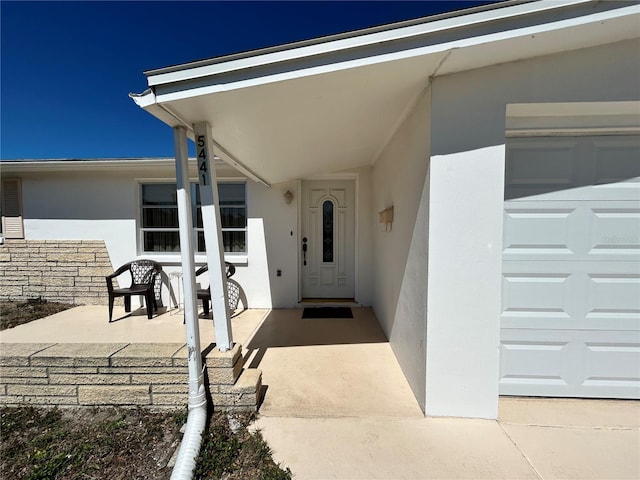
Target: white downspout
[(196, 420)]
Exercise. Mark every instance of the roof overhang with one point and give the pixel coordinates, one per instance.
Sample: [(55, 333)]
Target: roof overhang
[(117, 165), (333, 103)]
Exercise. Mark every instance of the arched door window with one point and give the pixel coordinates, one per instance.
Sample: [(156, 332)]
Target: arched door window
[(327, 231)]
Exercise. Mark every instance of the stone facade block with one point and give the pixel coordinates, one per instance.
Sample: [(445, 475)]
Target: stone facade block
[(52, 400), (25, 380), (29, 372), (143, 369), (222, 400), (10, 291), (177, 388), (18, 354), (85, 375), (169, 399), (159, 379), (41, 390), (74, 370), (114, 395), (87, 379), (225, 375), (216, 358), (11, 400), (141, 362), (51, 270)]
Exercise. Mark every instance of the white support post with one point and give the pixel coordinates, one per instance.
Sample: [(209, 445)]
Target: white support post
[(185, 221), (213, 236)]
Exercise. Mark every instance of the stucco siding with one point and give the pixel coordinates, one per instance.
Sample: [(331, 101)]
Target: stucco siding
[(82, 206), (99, 205), (465, 226), (399, 179)]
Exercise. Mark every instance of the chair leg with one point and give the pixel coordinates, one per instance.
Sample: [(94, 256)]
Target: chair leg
[(127, 303), (205, 306), (111, 299), (150, 304)]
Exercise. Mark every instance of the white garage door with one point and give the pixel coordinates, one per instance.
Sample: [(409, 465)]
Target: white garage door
[(571, 267)]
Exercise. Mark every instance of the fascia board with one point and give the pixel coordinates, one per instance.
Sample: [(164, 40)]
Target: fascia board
[(185, 92), (357, 41), (78, 165), (120, 164)]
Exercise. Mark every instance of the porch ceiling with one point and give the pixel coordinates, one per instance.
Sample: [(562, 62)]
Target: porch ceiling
[(333, 105), (323, 123)]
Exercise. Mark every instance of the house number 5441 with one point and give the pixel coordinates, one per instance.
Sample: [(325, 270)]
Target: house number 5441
[(203, 161)]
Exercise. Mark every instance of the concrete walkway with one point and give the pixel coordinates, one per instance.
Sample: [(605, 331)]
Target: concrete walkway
[(89, 324), (534, 438), (337, 405)]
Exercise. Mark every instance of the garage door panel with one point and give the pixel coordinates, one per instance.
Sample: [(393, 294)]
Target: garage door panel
[(615, 230), (563, 295), (531, 163), (611, 364), (539, 230), (584, 168), (570, 363), (613, 296), (536, 362), (616, 159), (572, 230), (540, 298)]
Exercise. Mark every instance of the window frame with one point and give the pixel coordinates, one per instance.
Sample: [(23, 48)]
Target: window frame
[(141, 229)]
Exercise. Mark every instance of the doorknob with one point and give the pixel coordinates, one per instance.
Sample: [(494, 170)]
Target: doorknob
[(304, 250)]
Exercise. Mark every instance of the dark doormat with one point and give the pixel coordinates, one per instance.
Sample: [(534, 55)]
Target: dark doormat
[(327, 312)]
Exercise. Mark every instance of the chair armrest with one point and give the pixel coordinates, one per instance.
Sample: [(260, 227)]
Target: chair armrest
[(231, 269), (119, 271)]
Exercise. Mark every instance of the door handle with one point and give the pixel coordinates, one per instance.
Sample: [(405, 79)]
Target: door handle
[(304, 250)]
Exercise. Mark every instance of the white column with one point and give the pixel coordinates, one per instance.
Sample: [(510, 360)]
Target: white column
[(213, 236), (196, 384), (465, 283)]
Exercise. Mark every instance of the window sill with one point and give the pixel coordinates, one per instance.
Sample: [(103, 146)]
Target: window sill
[(171, 259)]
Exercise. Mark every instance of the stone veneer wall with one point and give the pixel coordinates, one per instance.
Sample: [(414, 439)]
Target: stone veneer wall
[(69, 271), (149, 375)]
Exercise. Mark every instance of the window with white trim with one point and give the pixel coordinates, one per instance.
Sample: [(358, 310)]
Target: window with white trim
[(159, 232)]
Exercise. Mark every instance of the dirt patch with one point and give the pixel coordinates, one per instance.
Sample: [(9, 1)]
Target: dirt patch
[(14, 313), (87, 444), (112, 443)]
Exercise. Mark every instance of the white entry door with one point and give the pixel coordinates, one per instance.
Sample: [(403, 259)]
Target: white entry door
[(327, 240)]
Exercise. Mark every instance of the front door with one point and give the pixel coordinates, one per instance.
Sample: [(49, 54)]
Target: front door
[(327, 240)]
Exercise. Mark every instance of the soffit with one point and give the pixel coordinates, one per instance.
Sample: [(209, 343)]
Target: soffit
[(330, 114)]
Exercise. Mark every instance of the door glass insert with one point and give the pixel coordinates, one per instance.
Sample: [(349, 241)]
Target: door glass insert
[(327, 231)]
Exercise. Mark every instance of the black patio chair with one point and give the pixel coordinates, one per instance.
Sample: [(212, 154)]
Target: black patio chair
[(145, 276), (204, 294)]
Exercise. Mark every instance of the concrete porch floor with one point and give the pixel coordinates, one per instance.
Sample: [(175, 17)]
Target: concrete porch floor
[(338, 407)]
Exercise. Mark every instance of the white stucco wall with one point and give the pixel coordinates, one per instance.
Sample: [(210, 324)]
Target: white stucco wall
[(273, 245), (463, 295), (399, 179), (81, 206), (104, 204), (465, 208), (75, 205)]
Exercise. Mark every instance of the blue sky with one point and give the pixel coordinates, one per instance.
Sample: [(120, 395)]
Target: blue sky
[(66, 68)]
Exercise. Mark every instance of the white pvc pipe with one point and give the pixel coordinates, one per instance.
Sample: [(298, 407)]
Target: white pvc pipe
[(196, 420), (191, 440)]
